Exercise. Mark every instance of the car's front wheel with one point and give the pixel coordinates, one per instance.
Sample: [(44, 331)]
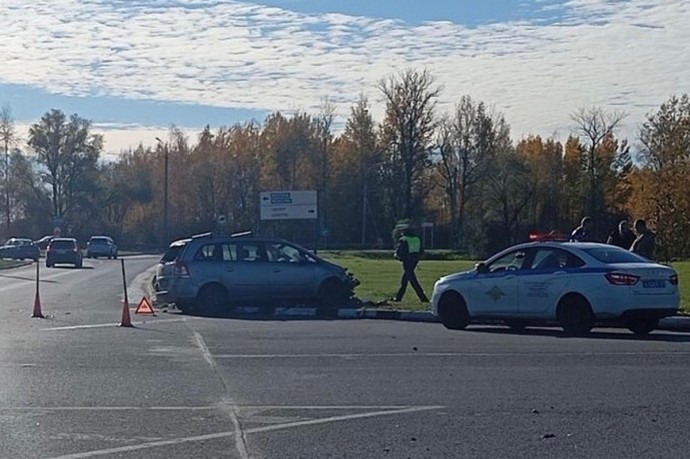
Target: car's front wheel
[(643, 326), (212, 297), (452, 311), (332, 292), (575, 315)]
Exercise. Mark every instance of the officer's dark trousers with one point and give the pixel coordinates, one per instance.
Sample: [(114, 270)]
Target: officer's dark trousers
[(410, 276)]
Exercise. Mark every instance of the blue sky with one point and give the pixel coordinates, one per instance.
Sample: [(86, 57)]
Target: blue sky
[(470, 13), (135, 67)]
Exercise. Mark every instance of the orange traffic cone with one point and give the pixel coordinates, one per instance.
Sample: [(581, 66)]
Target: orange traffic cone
[(126, 321), (37, 307)]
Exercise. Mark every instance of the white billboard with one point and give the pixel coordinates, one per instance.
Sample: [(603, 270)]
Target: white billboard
[(288, 205)]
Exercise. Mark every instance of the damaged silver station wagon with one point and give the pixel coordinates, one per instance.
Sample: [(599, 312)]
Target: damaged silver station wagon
[(215, 273)]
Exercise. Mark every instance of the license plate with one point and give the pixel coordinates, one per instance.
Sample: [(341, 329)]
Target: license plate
[(654, 283)]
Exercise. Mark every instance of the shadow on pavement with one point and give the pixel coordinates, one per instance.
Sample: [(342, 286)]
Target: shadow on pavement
[(620, 334)]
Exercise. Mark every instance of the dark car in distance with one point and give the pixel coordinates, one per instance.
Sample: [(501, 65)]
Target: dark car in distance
[(101, 246), (64, 250), (18, 248)]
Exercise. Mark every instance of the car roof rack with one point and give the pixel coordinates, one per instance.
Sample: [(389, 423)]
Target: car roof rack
[(212, 234)]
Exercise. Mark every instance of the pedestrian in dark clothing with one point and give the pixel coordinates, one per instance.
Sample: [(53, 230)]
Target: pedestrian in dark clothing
[(408, 251), (645, 243), (622, 236), (584, 232)]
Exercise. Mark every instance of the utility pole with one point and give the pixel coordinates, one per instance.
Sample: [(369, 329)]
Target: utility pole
[(164, 146), (8, 136)]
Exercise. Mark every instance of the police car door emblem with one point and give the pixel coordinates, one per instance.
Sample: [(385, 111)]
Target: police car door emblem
[(496, 293)]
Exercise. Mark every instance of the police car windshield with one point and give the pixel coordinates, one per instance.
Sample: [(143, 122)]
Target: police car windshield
[(614, 255)]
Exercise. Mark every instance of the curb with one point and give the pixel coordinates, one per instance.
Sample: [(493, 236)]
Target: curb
[(675, 323)]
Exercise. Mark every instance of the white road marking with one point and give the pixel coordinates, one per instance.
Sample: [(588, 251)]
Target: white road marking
[(108, 408), (204, 408), (346, 417), (240, 440), (111, 324), (445, 354), (220, 435)]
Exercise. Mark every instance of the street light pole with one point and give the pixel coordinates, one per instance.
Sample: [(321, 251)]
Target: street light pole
[(165, 189), (7, 188)]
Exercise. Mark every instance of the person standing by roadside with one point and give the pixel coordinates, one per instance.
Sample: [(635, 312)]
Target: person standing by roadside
[(584, 232), (408, 251), (622, 236), (645, 243)]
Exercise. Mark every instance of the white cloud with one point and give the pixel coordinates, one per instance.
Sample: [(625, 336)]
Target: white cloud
[(626, 55)]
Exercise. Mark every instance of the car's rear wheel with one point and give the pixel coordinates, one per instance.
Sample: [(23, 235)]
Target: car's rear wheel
[(643, 326), (575, 315), (452, 311), (332, 292), (212, 297)]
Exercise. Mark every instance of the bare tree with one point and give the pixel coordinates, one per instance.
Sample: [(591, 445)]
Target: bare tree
[(466, 144), (594, 125), (69, 152), (8, 137), (409, 127)]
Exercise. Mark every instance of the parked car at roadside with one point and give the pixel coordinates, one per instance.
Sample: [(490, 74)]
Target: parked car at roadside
[(574, 285), (19, 248), (220, 272), (64, 250), (101, 246)]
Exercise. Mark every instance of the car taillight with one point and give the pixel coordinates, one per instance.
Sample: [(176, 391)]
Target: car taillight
[(673, 279), (622, 279), (180, 269)]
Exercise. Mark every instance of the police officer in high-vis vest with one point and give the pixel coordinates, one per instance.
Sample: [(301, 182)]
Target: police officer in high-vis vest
[(408, 251)]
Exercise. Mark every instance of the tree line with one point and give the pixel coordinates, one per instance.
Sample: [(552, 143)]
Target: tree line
[(482, 189)]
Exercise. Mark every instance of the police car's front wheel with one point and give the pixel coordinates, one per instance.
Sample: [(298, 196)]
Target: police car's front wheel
[(575, 315), (452, 311)]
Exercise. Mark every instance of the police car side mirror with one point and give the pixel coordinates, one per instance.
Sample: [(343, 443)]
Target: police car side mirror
[(481, 268)]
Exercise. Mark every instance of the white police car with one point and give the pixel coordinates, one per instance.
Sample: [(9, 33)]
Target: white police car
[(572, 284)]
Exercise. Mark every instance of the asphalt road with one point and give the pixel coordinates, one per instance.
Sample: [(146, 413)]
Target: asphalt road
[(74, 385)]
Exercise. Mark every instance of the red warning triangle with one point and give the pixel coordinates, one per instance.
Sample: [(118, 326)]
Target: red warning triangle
[(144, 307)]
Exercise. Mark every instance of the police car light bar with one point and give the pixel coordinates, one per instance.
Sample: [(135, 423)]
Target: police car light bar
[(550, 236)]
